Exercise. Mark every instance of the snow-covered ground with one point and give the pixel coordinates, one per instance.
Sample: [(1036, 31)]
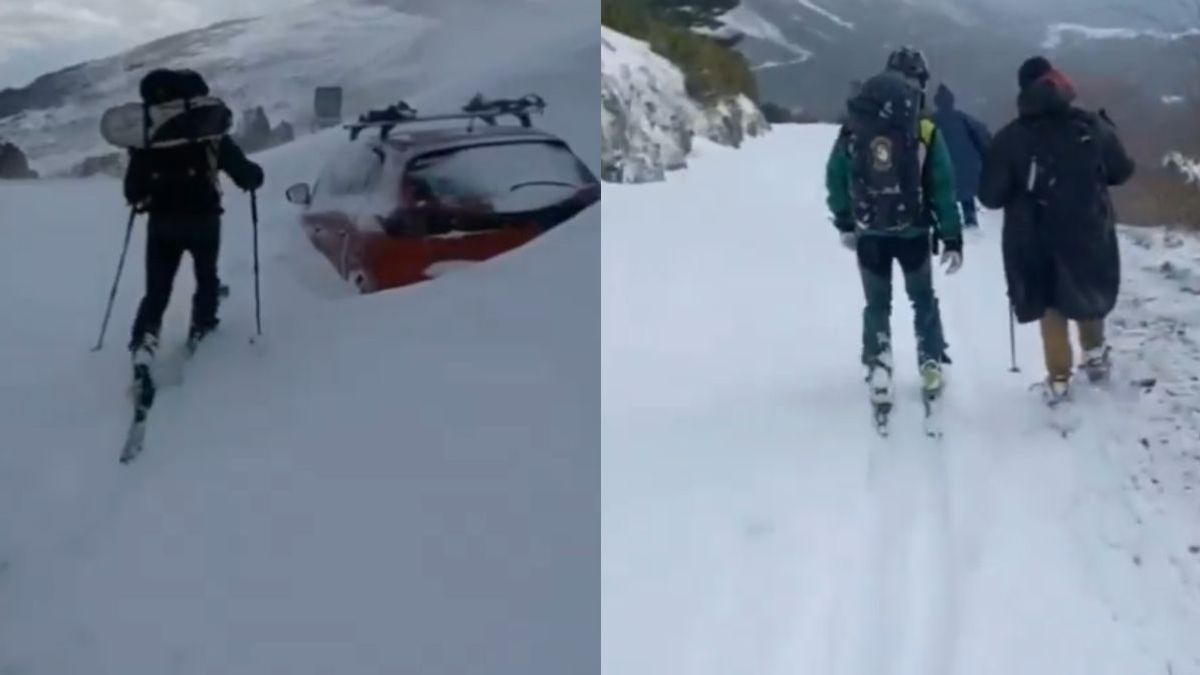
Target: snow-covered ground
[(400, 483), (754, 523)]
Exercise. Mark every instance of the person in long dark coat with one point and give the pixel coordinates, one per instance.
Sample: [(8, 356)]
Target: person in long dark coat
[(968, 140), (1051, 170)]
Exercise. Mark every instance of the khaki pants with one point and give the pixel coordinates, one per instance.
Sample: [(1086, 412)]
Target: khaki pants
[(1056, 340)]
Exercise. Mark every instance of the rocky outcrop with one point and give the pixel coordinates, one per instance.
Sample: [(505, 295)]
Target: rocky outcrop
[(112, 164), (256, 133), (648, 121), (14, 165)]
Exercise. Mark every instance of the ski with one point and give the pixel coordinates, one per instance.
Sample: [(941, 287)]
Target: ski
[(144, 390), (933, 414)]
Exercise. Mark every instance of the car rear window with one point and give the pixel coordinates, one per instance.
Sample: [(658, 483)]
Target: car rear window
[(357, 179), (506, 177)]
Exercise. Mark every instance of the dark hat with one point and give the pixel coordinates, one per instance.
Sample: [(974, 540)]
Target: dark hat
[(1033, 70)]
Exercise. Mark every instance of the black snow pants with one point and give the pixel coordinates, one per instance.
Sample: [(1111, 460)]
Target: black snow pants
[(876, 257), (167, 239)]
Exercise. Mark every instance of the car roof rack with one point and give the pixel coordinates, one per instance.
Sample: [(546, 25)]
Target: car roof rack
[(477, 109)]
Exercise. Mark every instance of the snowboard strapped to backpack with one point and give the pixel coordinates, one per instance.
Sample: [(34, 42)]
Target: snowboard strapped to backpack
[(182, 126), (886, 152), (176, 109)]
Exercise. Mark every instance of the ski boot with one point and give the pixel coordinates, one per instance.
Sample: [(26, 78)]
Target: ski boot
[(143, 351), (932, 384), (1097, 364), (879, 382), (198, 332), (142, 354)]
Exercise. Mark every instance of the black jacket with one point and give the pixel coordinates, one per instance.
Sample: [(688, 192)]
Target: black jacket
[(185, 181), (1060, 241)]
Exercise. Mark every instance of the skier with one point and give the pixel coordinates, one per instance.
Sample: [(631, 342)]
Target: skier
[(1050, 170), (968, 140), (890, 182), (179, 187)]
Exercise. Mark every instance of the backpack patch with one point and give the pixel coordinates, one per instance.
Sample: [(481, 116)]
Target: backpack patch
[(886, 152)]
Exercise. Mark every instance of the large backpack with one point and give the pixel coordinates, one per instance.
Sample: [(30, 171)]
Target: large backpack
[(182, 173), (1066, 177), (884, 142)]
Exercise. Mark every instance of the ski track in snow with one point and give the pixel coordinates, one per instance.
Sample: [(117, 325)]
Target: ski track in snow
[(753, 521)]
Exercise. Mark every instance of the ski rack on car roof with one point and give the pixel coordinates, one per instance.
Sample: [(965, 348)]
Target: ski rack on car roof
[(478, 108)]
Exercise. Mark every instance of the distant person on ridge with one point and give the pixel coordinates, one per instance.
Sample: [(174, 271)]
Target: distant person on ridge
[(180, 188), (968, 140), (890, 182), (1050, 170)]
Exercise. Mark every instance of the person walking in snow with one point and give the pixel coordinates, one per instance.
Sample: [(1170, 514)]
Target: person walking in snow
[(1050, 169), (967, 139), (179, 187), (890, 183)]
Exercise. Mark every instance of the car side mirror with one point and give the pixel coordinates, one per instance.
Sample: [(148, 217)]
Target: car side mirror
[(300, 193)]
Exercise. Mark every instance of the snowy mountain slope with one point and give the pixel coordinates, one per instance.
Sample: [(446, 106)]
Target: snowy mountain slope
[(379, 51), (844, 40), (746, 21), (753, 521), (404, 482), (1059, 33), (647, 119)]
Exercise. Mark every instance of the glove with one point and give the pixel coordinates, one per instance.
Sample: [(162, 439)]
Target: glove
[(845, 226), (850, 240), (256, 178), (844, 222), (952, 258)]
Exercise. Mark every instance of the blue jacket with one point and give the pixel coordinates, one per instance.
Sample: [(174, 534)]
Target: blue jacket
[(967, 138)]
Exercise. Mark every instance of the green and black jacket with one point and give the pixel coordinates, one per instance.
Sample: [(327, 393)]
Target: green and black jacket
[(941, 201)]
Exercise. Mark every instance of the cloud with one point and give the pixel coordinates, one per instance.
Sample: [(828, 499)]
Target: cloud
[(39, 35)]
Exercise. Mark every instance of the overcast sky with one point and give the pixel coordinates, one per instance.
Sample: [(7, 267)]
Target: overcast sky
[(39, 36)]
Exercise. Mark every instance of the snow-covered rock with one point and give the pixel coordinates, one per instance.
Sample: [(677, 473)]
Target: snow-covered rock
[(1190, 168), (647, 119)]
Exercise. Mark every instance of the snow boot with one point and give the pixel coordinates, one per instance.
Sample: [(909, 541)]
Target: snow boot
[(1097, 364), (1056, 391)]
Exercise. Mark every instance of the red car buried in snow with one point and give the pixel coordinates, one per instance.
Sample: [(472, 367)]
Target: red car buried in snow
[(400, 208)]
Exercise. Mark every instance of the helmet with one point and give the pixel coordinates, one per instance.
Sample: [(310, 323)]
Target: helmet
[(910, 62)]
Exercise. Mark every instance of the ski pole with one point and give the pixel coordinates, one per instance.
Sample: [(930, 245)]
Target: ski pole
[(1012, 338), (257, 297), (112, 295)]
